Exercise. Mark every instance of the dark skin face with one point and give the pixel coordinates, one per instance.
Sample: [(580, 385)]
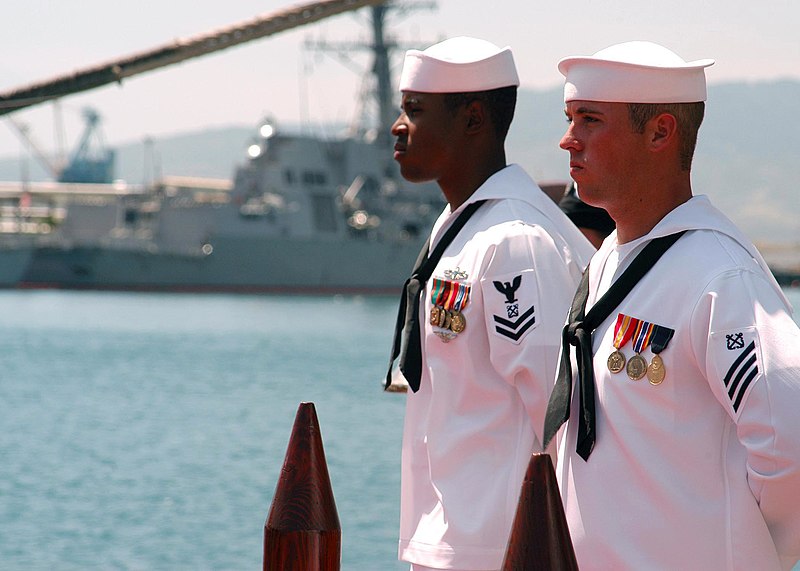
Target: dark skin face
[(456, 148), (424, 132)]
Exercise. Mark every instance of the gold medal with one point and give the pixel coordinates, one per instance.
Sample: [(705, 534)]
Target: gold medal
[(616, 362), (656, 371), (458, 322), (622, 332), (448, 317), (637, 367), (449, 297)]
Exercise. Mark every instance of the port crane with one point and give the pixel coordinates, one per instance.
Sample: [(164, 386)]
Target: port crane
[(95, 164)]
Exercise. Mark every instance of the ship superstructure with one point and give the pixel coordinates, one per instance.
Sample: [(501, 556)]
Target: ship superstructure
[(302, 214)]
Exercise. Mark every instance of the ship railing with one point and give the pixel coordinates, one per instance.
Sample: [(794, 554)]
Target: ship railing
[(16, 219), (58, 189)]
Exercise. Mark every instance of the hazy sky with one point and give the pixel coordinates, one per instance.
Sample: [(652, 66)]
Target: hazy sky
[(751, 40)]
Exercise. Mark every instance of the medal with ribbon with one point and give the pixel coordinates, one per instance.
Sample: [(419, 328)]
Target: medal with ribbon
[(659, 340), (637, 365), (448, 298), (622, 332)]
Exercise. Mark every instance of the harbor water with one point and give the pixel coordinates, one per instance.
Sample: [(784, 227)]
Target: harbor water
[(147, 431)]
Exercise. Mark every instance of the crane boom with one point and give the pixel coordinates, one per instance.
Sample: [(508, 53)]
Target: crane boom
[(175, 52)]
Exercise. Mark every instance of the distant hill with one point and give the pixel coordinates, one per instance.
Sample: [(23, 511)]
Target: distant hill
[(745, 154), (745, 159)]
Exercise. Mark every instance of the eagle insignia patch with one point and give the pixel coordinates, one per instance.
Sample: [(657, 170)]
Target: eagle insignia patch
[(512, 305)]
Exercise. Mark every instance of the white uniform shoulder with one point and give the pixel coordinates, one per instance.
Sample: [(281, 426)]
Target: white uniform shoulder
[(713, 244)]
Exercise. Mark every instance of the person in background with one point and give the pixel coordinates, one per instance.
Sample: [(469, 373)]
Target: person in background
[(595, 223), (682, 450), (478, 326)]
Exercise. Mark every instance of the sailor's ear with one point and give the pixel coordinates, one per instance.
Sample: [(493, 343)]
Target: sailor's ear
[(662, 131), (476, 116)]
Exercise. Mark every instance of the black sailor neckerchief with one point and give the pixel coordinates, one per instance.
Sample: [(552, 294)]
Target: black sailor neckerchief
[(407, 342), (578, 333)]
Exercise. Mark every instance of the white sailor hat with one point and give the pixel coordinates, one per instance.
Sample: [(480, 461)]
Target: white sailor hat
[(634, 72), (458, 65)]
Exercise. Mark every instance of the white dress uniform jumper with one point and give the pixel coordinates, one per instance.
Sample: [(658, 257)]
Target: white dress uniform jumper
[(472, 425), (700, 464), (694, 463)]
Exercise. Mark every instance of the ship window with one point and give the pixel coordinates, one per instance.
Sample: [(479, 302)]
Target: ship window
[(314, 178), (289, 176), (371, 187), (411, 229), (324, 213), (130, 216)]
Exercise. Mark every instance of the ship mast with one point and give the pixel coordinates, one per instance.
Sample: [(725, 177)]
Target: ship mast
[(380, 49)]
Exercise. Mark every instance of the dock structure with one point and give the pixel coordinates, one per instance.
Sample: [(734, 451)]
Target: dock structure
[(784, 261), (302, 531), (540, 539)]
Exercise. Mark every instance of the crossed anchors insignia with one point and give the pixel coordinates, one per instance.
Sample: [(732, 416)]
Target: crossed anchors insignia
[(735, 341), (514, 330)]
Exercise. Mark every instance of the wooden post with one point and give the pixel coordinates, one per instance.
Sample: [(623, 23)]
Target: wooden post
[(540, 538), (302, 531)]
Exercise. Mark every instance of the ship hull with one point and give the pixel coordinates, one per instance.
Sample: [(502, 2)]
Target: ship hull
[(250, 264), (13, 263)]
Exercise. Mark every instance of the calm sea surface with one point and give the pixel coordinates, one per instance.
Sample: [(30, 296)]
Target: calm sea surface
[(147, 432)]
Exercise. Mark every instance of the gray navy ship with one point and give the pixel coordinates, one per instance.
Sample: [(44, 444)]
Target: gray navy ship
[(302, 214)]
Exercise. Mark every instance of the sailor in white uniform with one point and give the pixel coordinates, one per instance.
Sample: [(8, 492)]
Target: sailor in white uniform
[(489, 315), (688, 455)]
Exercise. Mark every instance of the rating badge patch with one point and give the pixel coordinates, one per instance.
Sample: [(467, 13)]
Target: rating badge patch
[(737, 356), (511, 302)]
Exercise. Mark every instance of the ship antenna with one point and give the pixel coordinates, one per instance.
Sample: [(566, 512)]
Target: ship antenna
[(381, 48)]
